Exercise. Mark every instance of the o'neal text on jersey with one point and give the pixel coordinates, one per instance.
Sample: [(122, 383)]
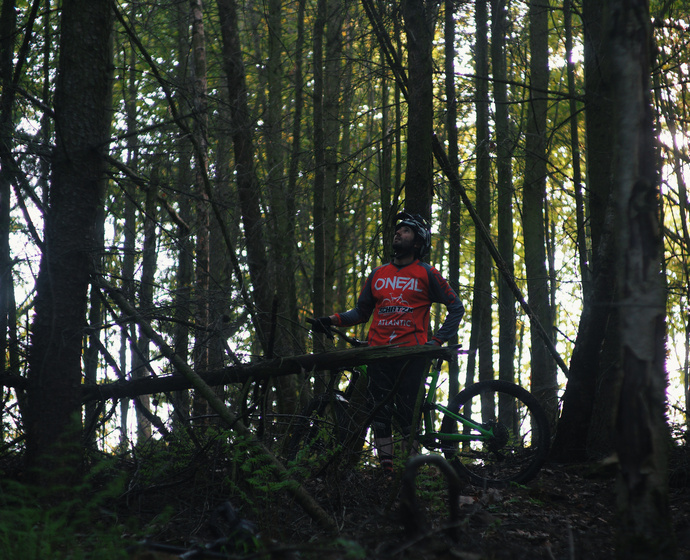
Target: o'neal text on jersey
[(397, 283)]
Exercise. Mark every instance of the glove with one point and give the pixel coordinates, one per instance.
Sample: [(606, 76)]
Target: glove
[(321, 324), (432, 342)]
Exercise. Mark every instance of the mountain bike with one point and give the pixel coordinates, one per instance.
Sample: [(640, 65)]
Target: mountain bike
[(493, 432)]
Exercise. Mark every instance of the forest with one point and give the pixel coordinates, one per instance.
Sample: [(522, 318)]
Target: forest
[(183, 185)]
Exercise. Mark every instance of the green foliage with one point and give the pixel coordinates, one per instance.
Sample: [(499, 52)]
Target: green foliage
[(62, 523), (351, 549)]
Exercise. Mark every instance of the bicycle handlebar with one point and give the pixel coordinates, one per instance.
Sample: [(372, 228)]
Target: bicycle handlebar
[(332, 331)]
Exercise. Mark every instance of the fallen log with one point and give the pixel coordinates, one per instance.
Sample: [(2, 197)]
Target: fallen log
[(261, 370)]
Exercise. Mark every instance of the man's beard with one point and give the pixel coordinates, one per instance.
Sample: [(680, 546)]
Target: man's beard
[(402, 249)]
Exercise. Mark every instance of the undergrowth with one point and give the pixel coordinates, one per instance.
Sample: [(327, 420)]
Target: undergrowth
[(68, 523)]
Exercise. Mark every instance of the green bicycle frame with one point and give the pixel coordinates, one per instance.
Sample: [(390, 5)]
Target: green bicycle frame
[(429, 434)]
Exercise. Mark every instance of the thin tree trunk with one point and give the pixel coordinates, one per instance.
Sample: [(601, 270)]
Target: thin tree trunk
[(92, 342), (454, 211), (247, 183), (203, 214), (185, 253), (334, 102), (282, 238), (132, 198), (319, 279), (8, 23), (128, 290), (575, 149), (481, 337), (140, 354), (534, 198), (296, 147), (504, 178)]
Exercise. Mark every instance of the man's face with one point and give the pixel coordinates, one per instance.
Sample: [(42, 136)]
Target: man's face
[(404, 240)]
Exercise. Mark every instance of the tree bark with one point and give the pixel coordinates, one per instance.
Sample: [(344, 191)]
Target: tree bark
[(295, 149), (202, 280), (507, 315), (334, 98), (481, 336), (644, 528), (534, 199), (454, 211), (247, 182), (582, 431), (319, 186), (420, 100), (140, 351), (8, 23), (185, 254), (82, 115)]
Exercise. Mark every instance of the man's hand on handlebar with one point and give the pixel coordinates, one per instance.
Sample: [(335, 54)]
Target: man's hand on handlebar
[(321, 325)]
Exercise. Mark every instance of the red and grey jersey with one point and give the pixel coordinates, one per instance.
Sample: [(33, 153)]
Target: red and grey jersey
[(398, 298)]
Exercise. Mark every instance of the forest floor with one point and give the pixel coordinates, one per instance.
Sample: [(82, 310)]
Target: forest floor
[(567, 512)]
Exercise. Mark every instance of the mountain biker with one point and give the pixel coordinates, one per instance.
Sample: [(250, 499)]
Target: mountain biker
[(399, 295)]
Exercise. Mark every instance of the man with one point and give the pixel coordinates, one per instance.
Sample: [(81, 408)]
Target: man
[(399, 295)]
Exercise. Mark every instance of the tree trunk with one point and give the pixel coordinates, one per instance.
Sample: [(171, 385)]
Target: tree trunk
[(296, 147), (93, 342), (452, 132), (582, 431), (282, 214), (504, 178), (140, 354), (129, 234), (202, 279), (575, 150), (534, 198), (599, 87), (8, 23), (481, 337), (420, 115), (185, 255), (82, 115), (319, 202), (642, 436), (247, 182), (334, 97)]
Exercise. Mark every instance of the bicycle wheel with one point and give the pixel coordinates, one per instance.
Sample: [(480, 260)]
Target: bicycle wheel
[(318, 430), (518, 437)]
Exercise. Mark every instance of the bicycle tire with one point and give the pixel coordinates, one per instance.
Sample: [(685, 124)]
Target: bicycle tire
[(521, 434)]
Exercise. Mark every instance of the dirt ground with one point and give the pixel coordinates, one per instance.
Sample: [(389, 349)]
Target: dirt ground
[(566, 513)]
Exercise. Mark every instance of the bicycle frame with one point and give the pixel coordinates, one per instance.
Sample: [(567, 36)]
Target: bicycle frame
[(428, 435), (511, 431)]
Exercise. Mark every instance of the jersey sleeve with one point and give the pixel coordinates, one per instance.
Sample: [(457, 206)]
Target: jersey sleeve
[(362, 310), (440, 291)]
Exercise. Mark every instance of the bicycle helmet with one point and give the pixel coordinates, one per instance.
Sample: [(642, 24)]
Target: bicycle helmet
[(419, 225)]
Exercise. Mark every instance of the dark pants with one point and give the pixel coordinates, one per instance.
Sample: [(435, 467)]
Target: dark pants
[(383, 379)]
